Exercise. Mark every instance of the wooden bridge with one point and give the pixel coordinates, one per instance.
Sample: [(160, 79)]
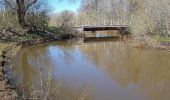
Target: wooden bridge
[(102, 25)]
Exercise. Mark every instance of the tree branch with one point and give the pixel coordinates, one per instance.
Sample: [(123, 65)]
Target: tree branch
[(10, 5), (30, 4)]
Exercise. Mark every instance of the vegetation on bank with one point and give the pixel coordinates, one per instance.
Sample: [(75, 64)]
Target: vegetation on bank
[(51, 33), (7, 91)]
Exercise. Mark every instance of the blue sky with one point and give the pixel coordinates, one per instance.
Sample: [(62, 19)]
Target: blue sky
[(61, 5)]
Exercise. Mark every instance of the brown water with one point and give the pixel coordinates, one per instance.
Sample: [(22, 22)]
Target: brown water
[(105, 70)]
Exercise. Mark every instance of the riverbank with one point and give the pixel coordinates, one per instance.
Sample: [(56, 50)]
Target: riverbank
[(151, 43), (7, 51)]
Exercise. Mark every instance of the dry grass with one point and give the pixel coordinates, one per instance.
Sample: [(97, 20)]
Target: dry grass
[(2, 47), (47, 91)]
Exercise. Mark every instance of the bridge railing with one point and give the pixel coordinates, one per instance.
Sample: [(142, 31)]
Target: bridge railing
[(95, 23)]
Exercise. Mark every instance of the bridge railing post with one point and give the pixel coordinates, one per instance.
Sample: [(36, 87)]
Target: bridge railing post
[(130, 23), (77, 23), (120, 22), (85, 23), (81, 23), (124, 22), (116, 22)]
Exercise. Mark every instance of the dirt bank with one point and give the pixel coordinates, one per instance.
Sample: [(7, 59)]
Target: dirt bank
[(7, 91)]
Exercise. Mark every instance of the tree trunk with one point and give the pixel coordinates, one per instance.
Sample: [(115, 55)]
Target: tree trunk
[(21, 12)]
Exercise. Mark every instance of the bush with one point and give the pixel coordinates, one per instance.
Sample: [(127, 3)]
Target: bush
[(38, 20), (53, 29)]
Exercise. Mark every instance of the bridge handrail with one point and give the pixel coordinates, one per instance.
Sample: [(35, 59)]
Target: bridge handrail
[(99, 23)]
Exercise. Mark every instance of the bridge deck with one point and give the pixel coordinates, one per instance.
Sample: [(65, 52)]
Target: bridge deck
[(104, 27)]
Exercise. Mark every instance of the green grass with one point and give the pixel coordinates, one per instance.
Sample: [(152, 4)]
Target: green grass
[(2, 46), (53, 29), (162, 39), (28, 37)]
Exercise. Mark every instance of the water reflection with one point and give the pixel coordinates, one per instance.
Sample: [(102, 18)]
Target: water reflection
[(106, 70)]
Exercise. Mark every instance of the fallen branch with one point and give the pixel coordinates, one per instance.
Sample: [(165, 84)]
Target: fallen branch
[(10, 30)]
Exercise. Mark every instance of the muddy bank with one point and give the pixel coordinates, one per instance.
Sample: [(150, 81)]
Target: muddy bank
[(7, 91)]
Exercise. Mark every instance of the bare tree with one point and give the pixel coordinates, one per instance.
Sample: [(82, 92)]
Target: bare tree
[(151, 15), (21, 6), (63, 19)]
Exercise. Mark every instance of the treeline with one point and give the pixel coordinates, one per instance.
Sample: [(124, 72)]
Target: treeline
[(152, 17), (102, 9), (148, 17)]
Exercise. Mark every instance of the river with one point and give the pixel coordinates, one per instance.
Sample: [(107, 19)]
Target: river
[(93, 70)]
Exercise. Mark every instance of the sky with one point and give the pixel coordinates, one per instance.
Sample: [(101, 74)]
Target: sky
[(61, 5)]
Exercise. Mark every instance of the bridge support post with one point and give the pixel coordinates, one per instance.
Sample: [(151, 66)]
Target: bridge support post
[(123, 32)]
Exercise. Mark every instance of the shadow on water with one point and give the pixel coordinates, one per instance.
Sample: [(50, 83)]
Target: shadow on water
[(101, 39)]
